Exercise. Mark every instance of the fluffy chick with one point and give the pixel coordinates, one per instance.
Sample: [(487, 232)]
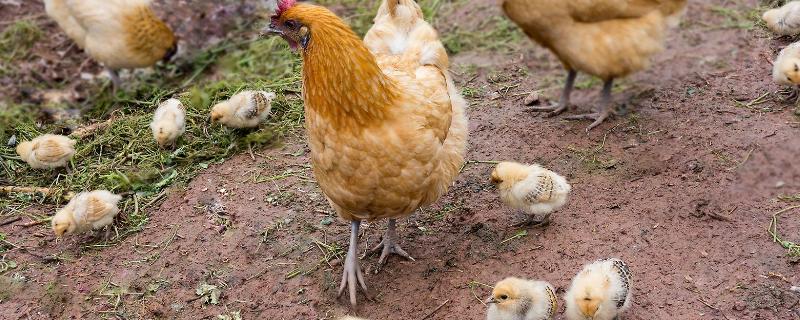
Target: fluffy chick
[(86, 211), (784, 20), (47, 151), (601, 291), (520, 299), (245, 109), (169, 122), (786, 68), (531, 188)]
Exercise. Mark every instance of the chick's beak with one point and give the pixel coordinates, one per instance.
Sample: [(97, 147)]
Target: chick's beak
[(491, 300)]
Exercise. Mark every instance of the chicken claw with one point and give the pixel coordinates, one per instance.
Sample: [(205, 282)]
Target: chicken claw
[(605, 108), (562, 105), (352, 270), (389, 245)]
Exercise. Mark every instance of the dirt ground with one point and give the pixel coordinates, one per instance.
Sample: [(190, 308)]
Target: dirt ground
[(682, 188)]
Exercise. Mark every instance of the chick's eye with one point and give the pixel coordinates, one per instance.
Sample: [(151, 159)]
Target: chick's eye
[(503, 297)]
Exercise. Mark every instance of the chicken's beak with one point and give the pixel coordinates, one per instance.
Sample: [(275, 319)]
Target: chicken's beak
[(491, 300), (271, 30)]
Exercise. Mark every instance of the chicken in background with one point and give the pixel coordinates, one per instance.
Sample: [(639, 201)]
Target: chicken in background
[(246, 109), (530, 188), (786, 69), (47, 151), (520, 299), (120, 34), (169, 122), (785, 20), (387, 130), (86, 211), (601, 291), (404, 18), (608, 39)]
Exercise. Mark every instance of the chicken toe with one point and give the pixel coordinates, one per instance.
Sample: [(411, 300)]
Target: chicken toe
[(563, 104), (352, 269), (389, 245), (604, 110)]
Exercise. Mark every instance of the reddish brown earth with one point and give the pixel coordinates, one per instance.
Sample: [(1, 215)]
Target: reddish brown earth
[(682, 188)]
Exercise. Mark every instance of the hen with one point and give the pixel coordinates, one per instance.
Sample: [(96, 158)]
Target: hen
[(120, 34), (605, 38), (387, 129)]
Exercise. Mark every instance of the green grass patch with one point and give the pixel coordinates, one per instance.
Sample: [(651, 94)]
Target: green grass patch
[(17, 39), (123, 157)]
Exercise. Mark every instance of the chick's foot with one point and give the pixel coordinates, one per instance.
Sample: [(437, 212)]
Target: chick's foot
[(389, 245), (352, 269)]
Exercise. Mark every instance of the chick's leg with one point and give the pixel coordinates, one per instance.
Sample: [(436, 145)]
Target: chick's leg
[(389, 244), (564, 102), (352, 270), (604, 109)]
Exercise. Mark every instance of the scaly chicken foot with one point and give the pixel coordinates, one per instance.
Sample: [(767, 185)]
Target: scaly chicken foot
[(563, 104), (604, 110), (389, 245), (352, 270)]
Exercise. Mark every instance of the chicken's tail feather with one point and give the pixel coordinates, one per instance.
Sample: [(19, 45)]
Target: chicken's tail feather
[(455, 144)]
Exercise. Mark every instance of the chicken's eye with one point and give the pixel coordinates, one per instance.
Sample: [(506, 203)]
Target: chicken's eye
[(290, 24), (503, 297)]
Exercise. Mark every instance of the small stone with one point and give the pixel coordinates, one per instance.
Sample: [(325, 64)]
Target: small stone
[(780, 184), (532, 99), (494, 95)]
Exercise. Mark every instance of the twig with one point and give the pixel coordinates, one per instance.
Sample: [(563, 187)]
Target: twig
[(34, 223), (434, 310), (10, 221), (721, 217), (91, 129)]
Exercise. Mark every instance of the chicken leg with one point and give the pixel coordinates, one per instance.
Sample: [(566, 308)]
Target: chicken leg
[(604, 109), (564, 102), (115, 81), (352, 270), (389, 244)]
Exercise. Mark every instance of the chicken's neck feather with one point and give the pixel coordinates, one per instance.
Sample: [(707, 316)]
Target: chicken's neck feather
[(342, 82)]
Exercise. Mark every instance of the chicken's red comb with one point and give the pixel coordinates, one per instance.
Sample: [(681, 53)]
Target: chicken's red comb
[(283, 5)]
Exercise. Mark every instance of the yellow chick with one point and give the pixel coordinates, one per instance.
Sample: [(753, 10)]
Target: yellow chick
[(785, 20), (169, 122), (601, 291), (531, 188), (86, 211), (520, 299), (47, 151), (245, 109), (786, 69)]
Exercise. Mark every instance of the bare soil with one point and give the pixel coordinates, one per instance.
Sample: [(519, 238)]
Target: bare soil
[(682, 188)]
